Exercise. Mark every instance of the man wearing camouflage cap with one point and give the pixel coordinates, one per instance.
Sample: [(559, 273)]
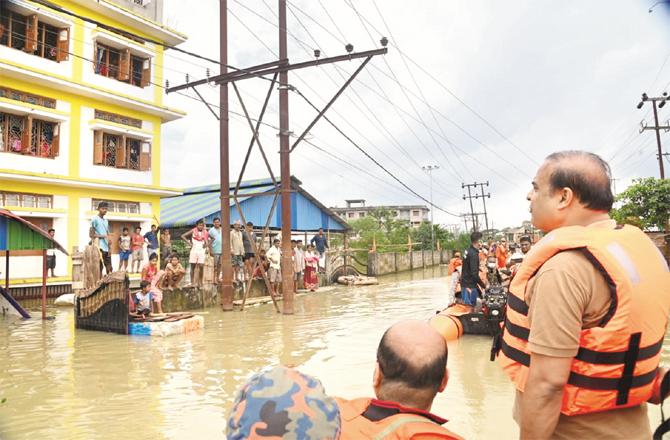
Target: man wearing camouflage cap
[(283, 403)]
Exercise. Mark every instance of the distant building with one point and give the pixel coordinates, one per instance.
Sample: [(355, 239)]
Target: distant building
[(355, 209)]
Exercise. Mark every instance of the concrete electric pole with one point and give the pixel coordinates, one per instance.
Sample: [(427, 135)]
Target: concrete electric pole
[(657, 102)]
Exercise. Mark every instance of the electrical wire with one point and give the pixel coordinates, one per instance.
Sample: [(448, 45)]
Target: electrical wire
[(402, 86), (130, 35), (456, 97), (374, 160), (388, 66), (383, 129), (302, 43), (306, 47)]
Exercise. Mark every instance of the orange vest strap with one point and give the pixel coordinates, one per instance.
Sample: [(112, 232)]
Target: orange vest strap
[(612, 358), (517, 330), (610, 383), (515, 354), (517, 304)]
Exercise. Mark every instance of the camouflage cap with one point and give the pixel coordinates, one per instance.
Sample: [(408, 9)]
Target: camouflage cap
[(283, 403)]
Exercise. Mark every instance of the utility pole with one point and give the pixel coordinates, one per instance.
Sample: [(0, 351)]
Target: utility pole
[(477, 196), (483, 197), (226, 291), (278, 68), (657, 128), (429, 169), (469, 197), (285, 165)]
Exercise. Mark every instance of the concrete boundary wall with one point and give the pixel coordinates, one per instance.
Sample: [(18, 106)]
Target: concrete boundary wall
[(392, 262)]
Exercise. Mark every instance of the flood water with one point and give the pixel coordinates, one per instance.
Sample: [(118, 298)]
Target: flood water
[(65, 384)]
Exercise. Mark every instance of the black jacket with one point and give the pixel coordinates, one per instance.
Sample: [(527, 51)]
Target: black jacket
[(470, 275)]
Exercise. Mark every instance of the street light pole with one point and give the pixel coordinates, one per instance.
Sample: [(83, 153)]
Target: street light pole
[(429, 169)]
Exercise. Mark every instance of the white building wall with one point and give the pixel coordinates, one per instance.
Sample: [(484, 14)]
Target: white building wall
[(64, 68)]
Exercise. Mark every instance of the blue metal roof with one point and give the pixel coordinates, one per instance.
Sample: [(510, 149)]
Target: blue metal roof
[(203, 202)]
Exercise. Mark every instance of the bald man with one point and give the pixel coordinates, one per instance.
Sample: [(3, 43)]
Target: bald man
[(586, 311), (411, 369)]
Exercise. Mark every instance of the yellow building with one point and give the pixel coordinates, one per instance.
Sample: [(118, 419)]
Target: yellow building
[(81, 109)]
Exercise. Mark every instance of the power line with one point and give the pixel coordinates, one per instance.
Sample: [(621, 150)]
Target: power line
[(373, 159), (421, 121), (409, 100), (305, 46), (403, 87), (130, 35), (380, 124), (472, 110)]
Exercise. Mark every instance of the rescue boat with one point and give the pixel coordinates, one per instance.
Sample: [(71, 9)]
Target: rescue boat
[(461, 319)]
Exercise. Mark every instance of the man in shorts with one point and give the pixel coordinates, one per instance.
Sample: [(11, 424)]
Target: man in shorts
[(100, 230), (198, 238), (274, 274), (124, 249), (248, 239), (51, 255), (215, 248)]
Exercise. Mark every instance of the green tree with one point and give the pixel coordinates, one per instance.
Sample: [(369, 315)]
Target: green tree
[(646, 204)]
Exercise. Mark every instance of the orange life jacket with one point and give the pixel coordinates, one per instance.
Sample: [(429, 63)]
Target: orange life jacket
[(617, 362), (375, 419)]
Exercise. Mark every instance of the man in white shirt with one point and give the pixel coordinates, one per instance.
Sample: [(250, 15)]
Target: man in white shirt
[(274, 257)]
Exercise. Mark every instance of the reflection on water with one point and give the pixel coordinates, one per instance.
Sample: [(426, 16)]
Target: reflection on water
[(65, 384)]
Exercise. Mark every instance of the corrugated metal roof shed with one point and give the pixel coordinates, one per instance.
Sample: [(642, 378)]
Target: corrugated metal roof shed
[(203, 202), (17, 234)]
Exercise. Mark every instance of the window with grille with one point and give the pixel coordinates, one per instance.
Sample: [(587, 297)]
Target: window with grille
[(29, 34), (25, 200), (28, 136), (120, 64), (117, 206), (120, 151)]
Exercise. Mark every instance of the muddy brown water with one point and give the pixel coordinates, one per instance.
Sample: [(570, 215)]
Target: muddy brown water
[(62, 383)]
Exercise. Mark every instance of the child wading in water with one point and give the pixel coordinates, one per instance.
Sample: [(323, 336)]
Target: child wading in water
[(174, 272)]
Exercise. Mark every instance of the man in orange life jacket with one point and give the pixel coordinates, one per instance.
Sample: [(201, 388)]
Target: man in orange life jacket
[(411, 369), (587, 311)]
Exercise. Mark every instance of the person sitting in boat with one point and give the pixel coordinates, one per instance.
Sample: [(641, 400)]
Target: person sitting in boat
[(411, 369), (142, 300)]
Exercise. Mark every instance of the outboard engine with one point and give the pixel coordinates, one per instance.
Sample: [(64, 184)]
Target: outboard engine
[(493, 307)]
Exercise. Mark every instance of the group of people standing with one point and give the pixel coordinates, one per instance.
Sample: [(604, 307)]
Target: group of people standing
[(484, 264)]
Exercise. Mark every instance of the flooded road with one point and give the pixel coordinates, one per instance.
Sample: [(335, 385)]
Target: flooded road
[(65, 384)]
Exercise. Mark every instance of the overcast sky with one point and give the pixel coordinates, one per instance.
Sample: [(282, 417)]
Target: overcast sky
[(482, 89)]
